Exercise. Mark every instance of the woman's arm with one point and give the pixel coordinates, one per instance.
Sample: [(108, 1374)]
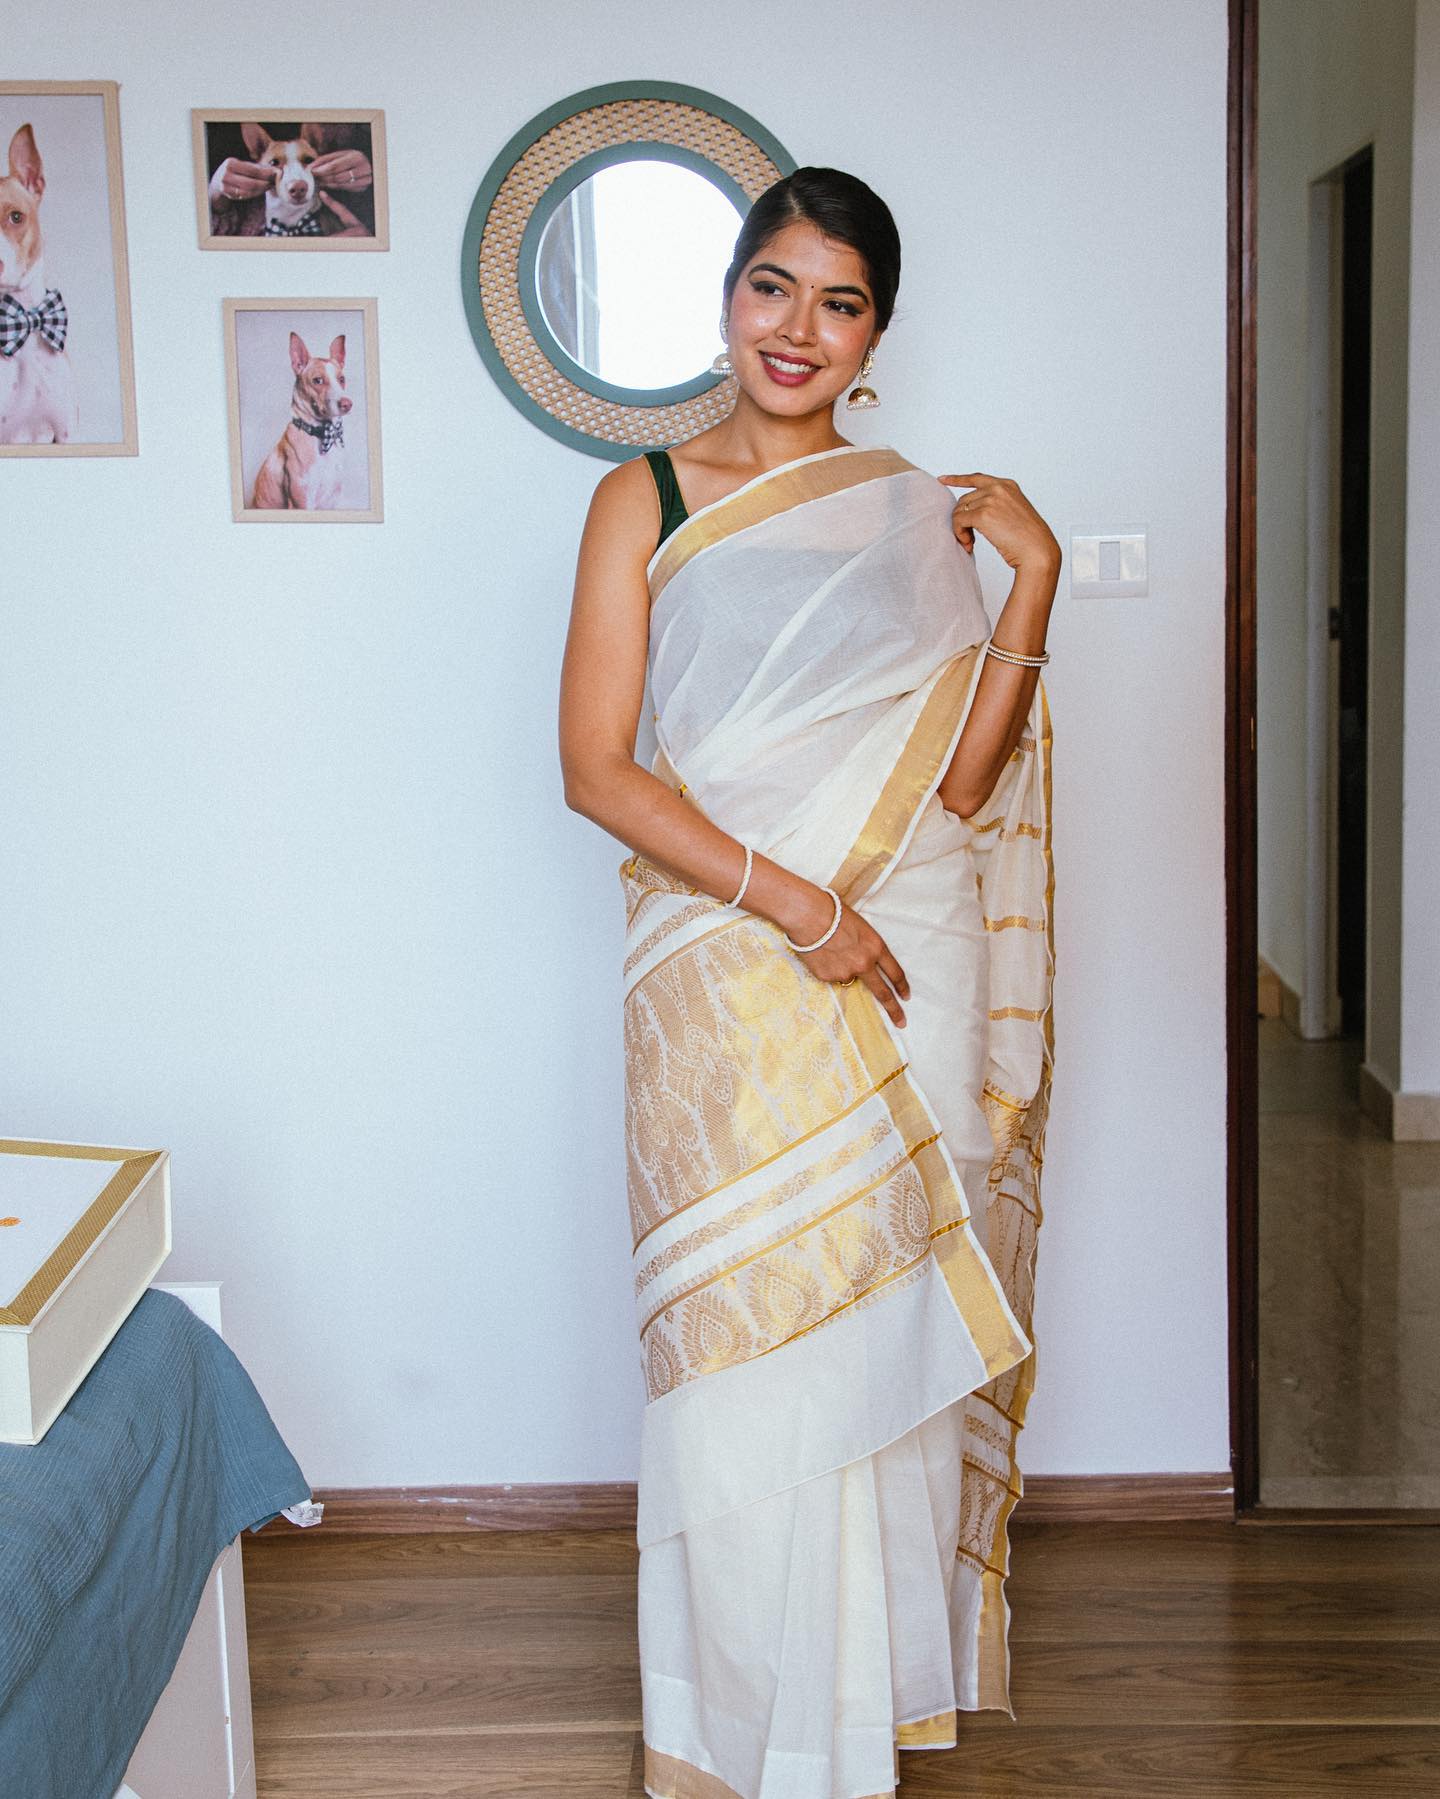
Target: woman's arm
[(602, 686), (1003, 690)]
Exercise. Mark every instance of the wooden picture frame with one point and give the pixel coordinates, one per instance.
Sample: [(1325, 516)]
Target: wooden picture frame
[(334, 217), (67, 134), (278, 454)]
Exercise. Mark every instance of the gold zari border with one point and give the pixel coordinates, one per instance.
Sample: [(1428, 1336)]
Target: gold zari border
[(956, 1251), (678, 1779), (908, 782), (763, 498), (1023, 1126)]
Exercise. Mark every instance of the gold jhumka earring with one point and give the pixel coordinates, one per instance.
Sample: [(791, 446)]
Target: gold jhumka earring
[(862, 396), (722, 364)]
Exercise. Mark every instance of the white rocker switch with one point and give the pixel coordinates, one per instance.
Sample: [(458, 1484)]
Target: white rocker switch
[(1108, 565)]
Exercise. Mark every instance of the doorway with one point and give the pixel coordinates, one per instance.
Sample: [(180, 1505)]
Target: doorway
[(1337, 1381), (1350, 197), (1331, 999)]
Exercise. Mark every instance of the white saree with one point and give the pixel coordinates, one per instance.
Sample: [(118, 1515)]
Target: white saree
[(834, 1218)]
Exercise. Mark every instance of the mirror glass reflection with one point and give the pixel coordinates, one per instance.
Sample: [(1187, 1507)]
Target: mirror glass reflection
[(629, 269)]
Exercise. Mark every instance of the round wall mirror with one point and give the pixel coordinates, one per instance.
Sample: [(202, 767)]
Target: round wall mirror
[(594, 255), (637, 311)]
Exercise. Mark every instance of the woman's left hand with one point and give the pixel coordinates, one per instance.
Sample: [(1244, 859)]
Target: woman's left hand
[(999, 511), (353, 227)]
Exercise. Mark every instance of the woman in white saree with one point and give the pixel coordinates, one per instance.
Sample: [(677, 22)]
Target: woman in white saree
[(837, 1036)]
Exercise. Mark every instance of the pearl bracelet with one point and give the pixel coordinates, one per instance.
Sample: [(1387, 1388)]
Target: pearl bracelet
[(803, 948), (749, 864), (1016, 656)]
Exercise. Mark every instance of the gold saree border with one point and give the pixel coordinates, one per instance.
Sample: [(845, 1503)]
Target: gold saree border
[(770, 1245), (25, 1306), (767, 1161), (908, 784), (776, 491), (955, 1248), (992, 1634), (935, 1732), (675, 1778)]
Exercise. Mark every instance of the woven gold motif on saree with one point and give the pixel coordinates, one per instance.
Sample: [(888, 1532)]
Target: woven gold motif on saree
[(783, 1169)]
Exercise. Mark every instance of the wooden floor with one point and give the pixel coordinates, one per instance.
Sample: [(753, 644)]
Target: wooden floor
[(1147, 1659)]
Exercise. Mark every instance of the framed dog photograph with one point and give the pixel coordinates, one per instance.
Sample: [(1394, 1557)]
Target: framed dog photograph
[(67, 369), (272, 181), (304, 387)]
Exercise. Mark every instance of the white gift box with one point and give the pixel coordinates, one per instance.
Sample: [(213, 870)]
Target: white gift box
[(83, 1230)]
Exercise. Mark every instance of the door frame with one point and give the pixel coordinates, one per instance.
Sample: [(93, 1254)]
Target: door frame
[(1241, 889)]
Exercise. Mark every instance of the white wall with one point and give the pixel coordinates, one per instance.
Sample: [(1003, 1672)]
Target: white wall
[(290, 885), (1333, 76)]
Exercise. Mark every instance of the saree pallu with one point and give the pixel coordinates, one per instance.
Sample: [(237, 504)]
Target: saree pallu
[(834, 1218)]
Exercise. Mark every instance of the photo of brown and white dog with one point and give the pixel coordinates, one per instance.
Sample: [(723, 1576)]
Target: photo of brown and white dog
[(303, 383), (38, 397), (307, 467), (288, 184)]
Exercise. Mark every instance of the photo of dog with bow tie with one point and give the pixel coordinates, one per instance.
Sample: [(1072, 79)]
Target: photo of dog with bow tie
[(38, 397), (304, 404), (67, 364), (307, 466)]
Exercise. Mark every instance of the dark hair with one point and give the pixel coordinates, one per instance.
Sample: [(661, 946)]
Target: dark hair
[(843, 208)]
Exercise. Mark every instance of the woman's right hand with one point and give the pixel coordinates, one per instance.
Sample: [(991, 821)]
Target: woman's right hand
[(855, 950)]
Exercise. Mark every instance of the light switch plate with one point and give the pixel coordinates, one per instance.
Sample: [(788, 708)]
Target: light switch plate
[(1109, 564)]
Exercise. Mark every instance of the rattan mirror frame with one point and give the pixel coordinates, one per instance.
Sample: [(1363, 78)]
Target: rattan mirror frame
[(544, 161)]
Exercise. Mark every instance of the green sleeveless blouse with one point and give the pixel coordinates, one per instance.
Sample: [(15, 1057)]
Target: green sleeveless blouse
[(672, 507)]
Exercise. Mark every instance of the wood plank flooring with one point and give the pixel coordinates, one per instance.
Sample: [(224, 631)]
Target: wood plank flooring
[(1147, 1660)]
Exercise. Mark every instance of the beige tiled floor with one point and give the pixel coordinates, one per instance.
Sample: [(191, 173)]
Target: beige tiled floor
[(1349, 1290)]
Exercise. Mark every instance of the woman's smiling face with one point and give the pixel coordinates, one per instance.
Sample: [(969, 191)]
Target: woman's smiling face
[(802, 299)]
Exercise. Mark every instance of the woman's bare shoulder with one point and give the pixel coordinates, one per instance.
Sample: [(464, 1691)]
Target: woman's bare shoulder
[(625, 500), (622, 526)]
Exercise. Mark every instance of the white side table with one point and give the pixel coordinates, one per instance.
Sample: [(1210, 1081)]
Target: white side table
[(198, 1743)]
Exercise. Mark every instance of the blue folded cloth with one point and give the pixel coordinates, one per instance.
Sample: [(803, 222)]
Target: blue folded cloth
[(109, 1528)]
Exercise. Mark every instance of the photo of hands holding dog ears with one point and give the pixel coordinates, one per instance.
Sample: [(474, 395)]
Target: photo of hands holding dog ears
[(275, 183)]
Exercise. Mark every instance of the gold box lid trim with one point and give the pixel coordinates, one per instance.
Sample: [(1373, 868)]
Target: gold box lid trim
[(25, 1306)]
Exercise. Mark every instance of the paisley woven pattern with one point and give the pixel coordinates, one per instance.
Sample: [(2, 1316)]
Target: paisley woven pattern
[(778, 1177), (598, 128)]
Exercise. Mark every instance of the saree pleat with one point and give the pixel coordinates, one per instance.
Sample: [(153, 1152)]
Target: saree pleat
[(834, 1218), (838, 1586)]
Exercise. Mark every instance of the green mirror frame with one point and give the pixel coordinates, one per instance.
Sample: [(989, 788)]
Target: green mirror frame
[(537, 170)]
